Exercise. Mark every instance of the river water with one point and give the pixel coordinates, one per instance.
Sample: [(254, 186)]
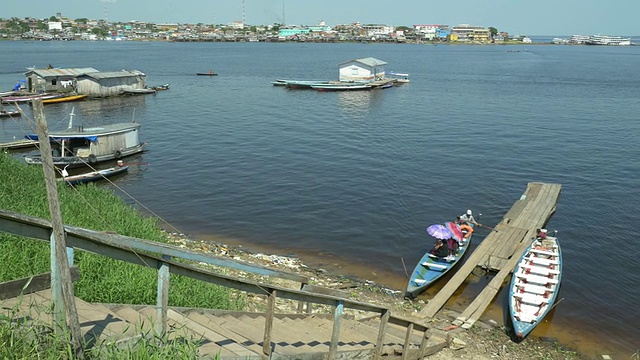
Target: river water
[(349, 181)]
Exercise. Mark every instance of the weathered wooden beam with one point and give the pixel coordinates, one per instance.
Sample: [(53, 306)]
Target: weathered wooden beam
[(31, 284), (268, 324), (162, 303)]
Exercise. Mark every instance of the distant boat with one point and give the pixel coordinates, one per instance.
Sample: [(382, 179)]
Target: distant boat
[(79, 146), (159, 87), (94, 175), (535, 285), (210, 73), (341, 87), (608, 40), (64, 99), (144, 91), (26, 98), (400, 78), (300, 84), (9, 113)]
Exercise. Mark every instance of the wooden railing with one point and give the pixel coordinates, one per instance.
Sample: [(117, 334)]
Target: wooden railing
[(161, 257)]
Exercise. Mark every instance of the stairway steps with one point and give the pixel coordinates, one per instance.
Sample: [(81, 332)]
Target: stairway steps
[(230, 335)]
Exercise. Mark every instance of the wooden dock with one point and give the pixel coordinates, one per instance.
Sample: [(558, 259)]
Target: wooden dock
[(500, 250)]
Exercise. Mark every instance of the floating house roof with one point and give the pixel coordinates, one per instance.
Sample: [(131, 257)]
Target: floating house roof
[(366, 61), (71, 72)]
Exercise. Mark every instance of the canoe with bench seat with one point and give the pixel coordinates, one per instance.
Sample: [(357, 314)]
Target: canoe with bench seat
[(534, 285), (430, 268)]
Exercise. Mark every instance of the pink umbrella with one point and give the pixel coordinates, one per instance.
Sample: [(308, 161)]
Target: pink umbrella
[(455, 230), (439, 231)]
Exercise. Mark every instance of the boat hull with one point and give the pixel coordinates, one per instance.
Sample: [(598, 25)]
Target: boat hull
[(94, 175), (88, 146), (431, 268), (64, 99), (531, 292)]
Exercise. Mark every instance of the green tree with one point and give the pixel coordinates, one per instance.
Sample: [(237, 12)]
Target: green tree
[(82, 20), (100, 32), (53, 18), (493, 31)]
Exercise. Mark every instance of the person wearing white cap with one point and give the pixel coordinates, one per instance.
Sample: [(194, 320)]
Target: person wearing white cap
[(542, 234), (468, 218)]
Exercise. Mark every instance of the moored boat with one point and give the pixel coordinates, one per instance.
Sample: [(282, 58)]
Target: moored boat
[(341, 87), (535, 285), (79, 146), (431, 267), (160, 87), (4, 113), (210, 73), (64, 99), (400, 78), (94, 175), (143, 91), (26, 98)]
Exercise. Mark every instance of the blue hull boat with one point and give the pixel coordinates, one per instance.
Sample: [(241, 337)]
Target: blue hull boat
[(430, 268), (534, 285)]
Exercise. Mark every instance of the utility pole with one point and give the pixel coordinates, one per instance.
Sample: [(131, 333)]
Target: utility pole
[(61, 284)]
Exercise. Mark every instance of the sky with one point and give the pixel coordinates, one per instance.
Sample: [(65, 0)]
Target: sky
[(517, 17)]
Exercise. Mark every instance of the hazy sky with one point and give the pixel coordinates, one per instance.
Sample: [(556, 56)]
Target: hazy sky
[(517, 17)]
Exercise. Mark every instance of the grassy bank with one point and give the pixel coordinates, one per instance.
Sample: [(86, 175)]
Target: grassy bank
[(105, 280)]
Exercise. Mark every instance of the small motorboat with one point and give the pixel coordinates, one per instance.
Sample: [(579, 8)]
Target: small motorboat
[(210, 73), (93, 175), (4, 113), (159, 87)]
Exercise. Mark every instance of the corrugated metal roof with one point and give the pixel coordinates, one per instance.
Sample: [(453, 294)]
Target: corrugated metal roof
[(115, 74), (367, 61), (72, 72)]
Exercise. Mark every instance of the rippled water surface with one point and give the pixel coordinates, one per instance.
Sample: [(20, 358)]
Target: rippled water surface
[(349, 181)]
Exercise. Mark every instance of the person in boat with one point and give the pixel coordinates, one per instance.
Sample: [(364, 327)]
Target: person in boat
[(542, 234), (452, 246), (466, 229), (468, 218), (440, 249)]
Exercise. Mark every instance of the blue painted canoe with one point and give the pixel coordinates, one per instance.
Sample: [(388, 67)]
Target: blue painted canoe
[(430, 268), (535, 285)]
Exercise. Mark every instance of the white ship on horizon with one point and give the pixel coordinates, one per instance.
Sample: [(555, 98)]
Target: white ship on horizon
[(608, 40)]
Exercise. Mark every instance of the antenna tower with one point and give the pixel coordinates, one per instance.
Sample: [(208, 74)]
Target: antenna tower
[(244, 20)]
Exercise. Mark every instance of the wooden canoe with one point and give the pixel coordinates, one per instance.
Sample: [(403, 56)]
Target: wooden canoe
[(535, 285), (64, 99), (430, 268)]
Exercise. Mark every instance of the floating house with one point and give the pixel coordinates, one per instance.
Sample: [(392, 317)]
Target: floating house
[(362, 70), (54, 80), (99, 84), (86, 81)]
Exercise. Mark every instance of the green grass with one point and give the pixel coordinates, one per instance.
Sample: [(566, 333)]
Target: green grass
[(103, 279)]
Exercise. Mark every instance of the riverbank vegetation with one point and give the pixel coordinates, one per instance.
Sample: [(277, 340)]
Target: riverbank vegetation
[(103, 280)]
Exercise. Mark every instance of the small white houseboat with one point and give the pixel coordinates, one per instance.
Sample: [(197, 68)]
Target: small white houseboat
[(81, 146)]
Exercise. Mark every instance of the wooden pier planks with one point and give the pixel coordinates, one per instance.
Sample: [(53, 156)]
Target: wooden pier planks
[(503, 245)]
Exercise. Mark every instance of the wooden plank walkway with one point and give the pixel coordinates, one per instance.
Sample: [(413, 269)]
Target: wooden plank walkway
[(500, 250)]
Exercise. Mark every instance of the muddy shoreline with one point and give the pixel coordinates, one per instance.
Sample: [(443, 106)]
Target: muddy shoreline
[(487, 340)]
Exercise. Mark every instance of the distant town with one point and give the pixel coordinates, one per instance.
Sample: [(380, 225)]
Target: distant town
[(62, 28)]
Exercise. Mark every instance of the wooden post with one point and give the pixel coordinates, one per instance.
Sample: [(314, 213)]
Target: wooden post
[(407, 341), (162, 302), (335, 335), (268, 324), (384, 319), (61, 265)]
